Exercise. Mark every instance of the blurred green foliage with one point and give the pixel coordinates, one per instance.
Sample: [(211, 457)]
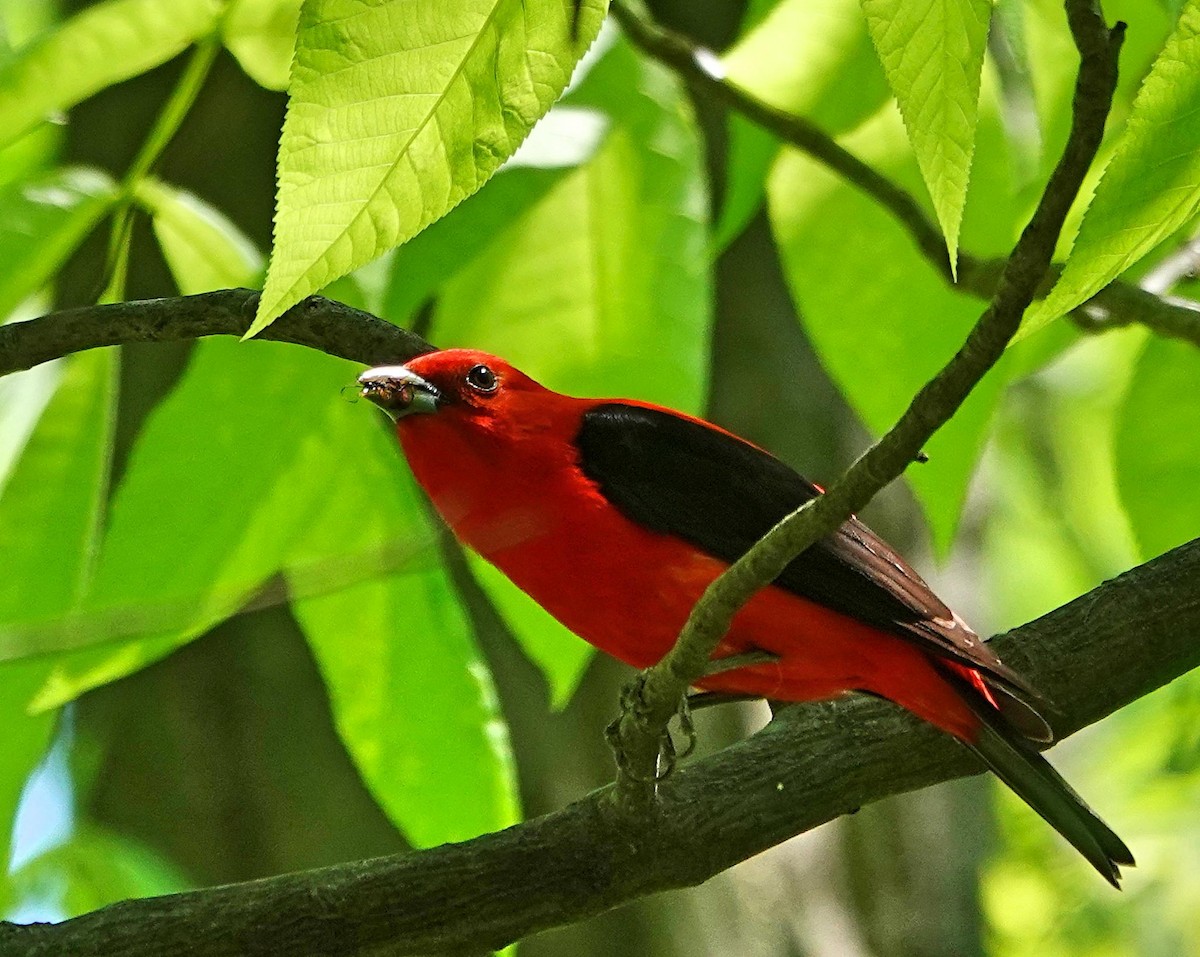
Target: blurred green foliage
[(146, 498)]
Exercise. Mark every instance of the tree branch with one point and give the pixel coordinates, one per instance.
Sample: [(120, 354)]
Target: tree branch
[(318, 323), (811, 764), (655, 695), (1119, 304), (702, 68)]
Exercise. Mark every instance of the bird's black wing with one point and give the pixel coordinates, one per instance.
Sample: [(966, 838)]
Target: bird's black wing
[(685, 478)]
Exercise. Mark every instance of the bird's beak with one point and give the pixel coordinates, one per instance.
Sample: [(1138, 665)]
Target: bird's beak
[(398, 391)]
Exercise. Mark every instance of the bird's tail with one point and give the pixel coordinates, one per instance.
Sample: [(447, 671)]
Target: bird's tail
[(1030, 775)]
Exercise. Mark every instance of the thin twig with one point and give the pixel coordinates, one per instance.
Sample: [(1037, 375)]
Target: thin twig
[(658, 690), (702, 68), (182, 98)]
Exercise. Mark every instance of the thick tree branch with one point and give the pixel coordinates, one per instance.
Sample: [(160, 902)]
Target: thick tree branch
[(316, 322), (811, 764), (655, 696), (1119, 304)]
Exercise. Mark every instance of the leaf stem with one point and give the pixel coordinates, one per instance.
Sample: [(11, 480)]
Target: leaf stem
[(177, 107)]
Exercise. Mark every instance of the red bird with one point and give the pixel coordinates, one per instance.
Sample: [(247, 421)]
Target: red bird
[(615, 515)]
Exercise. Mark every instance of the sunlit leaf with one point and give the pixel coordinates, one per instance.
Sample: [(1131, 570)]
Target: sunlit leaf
[(22, 20), (96, 48), (932, 52), (1158, 446), (614, 249), (372, 523), (1053, 64), (801, 57), (186, 515), (411, 697), (203, 249), (42, 220), (209, 506), (32, 152), (812, 58), (415, 704), (1152, 185), (567, 137), (262, 35), (462, 87), (23, 399), (52, 507)]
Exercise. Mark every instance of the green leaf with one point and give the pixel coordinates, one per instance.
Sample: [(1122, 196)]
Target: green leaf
[(52, 506), (393, 645), (801, 58), (752, 153), (1053, 63), (333, 516), (21, 21), (103, 45), (92, 869), (411, 697), (808, 57), (213, 497), (932, 52), (186, 521), (32, 153), (560, 655), (1052, 500), (415, 705), (372, 522), (614, 249), (881, 319), (49, 512), (23, 399), (262, 35), (25, 741), (203, 249), (1152, 185), (567, 137), (42, 221), (461, 92), (1158, 446), (428, 260)]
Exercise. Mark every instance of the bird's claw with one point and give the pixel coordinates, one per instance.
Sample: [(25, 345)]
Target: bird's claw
[(669, 755)]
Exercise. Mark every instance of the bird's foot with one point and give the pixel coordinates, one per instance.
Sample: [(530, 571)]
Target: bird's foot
[(635, 710)]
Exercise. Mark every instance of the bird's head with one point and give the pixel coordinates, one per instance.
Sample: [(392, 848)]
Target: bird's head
[(464, 385)]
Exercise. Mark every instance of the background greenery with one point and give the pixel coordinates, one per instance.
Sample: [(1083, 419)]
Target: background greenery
[(232, 641)]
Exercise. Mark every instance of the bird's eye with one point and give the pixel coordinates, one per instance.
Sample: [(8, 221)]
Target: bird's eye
[(482, 379)]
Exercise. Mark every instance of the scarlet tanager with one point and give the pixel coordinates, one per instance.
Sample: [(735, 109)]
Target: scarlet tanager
[(615, 515)]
